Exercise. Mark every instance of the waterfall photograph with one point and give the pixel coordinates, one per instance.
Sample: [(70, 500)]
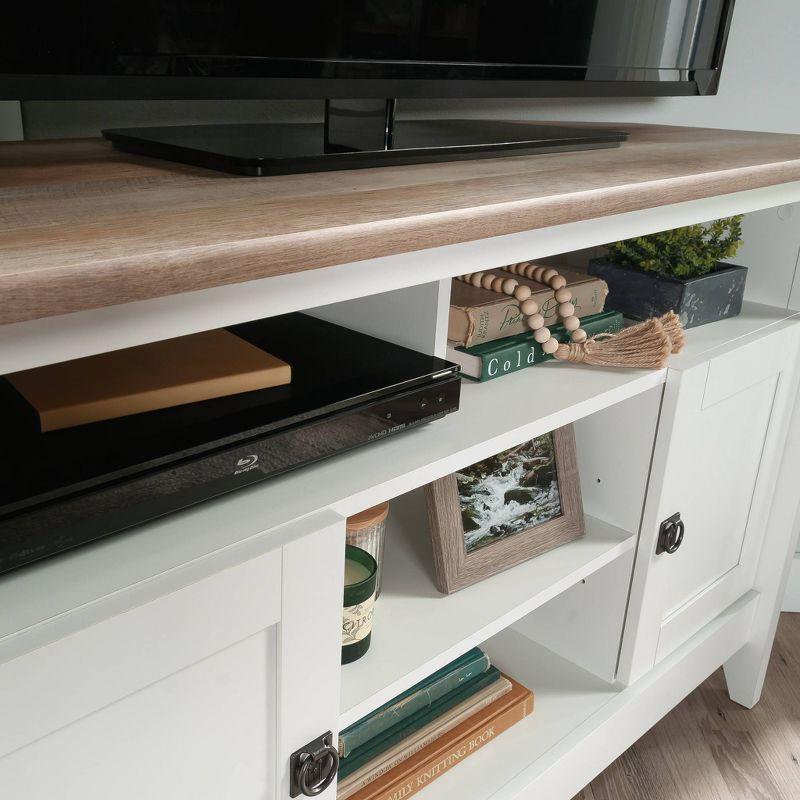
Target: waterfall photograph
[(509, 493)]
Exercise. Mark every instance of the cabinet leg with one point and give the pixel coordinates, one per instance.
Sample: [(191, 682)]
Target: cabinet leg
[(746, 670)]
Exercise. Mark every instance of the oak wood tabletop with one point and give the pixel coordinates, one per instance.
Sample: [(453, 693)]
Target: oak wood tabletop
[(83, 226)]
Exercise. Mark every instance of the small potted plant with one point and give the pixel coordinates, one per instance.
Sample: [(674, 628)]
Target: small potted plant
[(676, 270)]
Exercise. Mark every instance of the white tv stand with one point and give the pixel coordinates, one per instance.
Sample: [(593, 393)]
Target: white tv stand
[(190, 657)]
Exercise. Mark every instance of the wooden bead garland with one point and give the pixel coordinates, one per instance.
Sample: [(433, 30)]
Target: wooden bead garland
[(528, 306), (645, 346)]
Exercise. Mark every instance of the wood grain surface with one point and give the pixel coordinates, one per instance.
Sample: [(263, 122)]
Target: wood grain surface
[(710, 748), (83, 226)]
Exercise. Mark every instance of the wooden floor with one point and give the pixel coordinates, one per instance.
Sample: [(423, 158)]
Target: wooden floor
[(709, 748)]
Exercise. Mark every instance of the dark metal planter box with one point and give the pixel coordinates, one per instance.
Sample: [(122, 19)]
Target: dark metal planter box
[(696, 301)]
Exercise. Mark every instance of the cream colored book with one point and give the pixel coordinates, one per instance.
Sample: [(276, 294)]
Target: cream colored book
[(187, 369), (421, 738)]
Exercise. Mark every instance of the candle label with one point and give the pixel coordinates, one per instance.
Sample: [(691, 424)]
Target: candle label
[(357, 621)]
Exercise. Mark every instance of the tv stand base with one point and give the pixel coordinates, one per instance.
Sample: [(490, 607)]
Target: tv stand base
[(355, 134)]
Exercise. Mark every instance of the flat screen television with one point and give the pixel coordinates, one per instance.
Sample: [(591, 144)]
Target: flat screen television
[(359, 55)]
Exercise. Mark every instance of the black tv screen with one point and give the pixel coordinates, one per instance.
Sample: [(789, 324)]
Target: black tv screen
[(330, 48)]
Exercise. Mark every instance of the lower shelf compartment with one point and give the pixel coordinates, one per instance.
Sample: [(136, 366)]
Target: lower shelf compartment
[(417, 630), (565, 697), (581, 723)]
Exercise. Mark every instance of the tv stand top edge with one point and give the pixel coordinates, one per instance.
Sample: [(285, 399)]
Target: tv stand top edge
[(85, 226)]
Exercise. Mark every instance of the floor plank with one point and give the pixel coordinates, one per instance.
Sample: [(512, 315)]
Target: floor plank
[(710, 748)]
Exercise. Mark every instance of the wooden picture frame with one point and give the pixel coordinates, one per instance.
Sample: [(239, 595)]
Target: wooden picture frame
[(457, 568)]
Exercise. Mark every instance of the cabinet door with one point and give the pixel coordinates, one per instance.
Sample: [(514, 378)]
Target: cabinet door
[(719, 441), (202, 692)]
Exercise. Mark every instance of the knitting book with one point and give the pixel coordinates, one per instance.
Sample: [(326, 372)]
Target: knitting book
[(426, 735), (477, 731), (480, 315), (420, 696), (483, 362)]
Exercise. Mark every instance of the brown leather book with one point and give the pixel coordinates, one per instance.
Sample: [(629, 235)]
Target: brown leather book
[(148, 377), (451, 748), (479, 315)]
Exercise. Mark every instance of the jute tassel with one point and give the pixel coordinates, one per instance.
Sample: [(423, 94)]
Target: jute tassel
[(672, 325), (643, 346)]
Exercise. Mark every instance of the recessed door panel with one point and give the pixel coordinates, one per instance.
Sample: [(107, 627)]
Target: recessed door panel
[(711, 480), (720, 438), (201, 692), (206, 732)]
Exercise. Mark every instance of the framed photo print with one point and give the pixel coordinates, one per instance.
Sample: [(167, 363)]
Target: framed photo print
[(505, 509)]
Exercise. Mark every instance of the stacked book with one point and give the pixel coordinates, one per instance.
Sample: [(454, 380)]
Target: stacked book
[(487, 334), (402, 746)]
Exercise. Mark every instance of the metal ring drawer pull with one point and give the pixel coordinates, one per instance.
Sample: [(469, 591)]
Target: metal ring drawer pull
[(329, 770), (670, 534), (313, 768)]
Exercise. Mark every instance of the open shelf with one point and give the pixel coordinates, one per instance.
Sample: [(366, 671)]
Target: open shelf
[(493, 416), (417, 630), (581, 723), (565, 696)]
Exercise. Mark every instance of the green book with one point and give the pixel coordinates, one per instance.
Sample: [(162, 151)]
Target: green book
[(490, 360), (419, 697), (395, 734)]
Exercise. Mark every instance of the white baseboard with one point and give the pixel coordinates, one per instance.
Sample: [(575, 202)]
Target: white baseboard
[(791, 600)]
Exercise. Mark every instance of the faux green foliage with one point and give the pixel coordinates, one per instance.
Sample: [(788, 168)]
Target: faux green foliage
[(682, 252)]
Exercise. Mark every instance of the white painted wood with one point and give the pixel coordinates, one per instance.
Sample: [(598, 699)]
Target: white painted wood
[(718, 447), (309, 644), (745, 672), (203, 689), (751, 360), (717, 495), (614, 447), (66, 594), (49, 599), (417, 630), (73, 677), (52, 599), (409, 317), (794, 295), (584, 623), (206, 732), (104, 652), (791, 597), (747, 366), (443, 317), (580, 723), (29, 344), (770, 247), (716, 338)]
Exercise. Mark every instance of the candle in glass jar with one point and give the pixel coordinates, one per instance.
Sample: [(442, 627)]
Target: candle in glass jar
[(360, 573), (367, 530)]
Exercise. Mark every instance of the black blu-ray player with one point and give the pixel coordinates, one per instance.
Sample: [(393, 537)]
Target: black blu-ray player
[(68, 487)]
